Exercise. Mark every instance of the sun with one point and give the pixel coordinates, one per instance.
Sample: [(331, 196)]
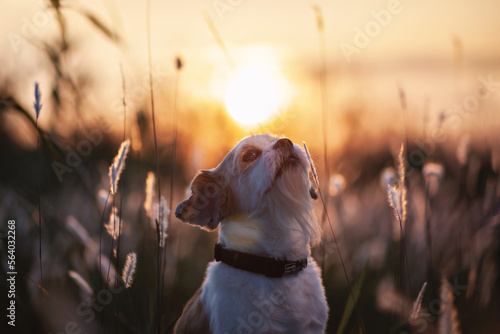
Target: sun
[(255, 95)]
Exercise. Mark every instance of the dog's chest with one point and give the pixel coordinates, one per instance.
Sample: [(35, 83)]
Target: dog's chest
[(241, 301)]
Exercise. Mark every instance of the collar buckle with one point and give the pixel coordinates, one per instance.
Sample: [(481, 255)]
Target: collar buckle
[(290, 268)]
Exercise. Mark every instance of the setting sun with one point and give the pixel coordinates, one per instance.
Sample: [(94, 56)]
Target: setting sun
[(255, 95)]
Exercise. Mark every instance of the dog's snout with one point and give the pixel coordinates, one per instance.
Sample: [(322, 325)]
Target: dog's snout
[(283, 142)]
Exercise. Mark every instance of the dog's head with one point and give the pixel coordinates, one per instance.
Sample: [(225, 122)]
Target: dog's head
[(262, 175)]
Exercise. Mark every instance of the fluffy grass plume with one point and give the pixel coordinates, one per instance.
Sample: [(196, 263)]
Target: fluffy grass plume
[(398, 200), (433, 174), (113, 226), (337, 185), (397, 195), (394, 197), (313, 170), (402, 184), (116, 168), (161, 216), (417, 305), (82, 284), (129, 269), (387, 177), (448, 318), (38, 106), (150, 190), (38, 97)]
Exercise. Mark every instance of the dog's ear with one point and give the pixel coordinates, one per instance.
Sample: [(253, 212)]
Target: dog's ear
[(210, 202)]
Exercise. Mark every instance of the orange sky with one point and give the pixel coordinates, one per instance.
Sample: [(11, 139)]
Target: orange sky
[(407, 47)]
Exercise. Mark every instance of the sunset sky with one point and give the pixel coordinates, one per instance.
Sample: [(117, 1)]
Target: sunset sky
[(371, 48)]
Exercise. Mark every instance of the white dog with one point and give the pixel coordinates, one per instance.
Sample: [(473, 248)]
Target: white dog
[(263, 279)]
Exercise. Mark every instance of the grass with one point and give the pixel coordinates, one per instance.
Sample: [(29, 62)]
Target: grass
[(450, 219), (364, 228)]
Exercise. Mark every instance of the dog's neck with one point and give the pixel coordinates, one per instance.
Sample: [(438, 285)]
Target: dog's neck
[(263, 235)]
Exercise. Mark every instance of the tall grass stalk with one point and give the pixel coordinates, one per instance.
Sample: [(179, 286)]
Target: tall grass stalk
[(324, 108), (178, 66), (38, 107), (315, 176), (397, 197), (100, 237), (428, 236), (432, 174), (151, 92), (218, 40), (124, 102), (404, 211), (115, 171), (404, 109)]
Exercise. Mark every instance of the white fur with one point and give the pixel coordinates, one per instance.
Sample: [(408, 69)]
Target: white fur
[(271, 215)]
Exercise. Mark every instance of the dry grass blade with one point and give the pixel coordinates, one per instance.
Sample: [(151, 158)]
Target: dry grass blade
[(98, 24), (78, 230), (81, 282), (219, 40), (108, 270), (418, 303)]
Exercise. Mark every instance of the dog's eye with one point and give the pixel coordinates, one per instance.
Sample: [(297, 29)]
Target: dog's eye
[(250, 155)]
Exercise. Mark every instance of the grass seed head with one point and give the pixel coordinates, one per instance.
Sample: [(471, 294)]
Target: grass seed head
[(38, 97), (129, 269), (116, 168), (150, 190)]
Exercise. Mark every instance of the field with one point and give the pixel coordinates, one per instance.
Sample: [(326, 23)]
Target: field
[(107, 113)]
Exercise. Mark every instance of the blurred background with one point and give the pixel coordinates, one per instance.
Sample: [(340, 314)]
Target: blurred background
[(353, 79)]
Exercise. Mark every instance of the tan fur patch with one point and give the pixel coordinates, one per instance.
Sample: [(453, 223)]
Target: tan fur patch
[(194, 319)]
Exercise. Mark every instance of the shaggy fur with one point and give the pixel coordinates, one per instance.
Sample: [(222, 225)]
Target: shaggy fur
[(261, 196)]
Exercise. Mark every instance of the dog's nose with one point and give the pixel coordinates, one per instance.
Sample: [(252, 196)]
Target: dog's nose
[(283, 142)]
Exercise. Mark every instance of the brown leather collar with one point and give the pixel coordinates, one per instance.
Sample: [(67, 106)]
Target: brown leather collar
[(258, 264)]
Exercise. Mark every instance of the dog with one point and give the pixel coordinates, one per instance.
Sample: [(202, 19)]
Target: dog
[(263, 279)]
